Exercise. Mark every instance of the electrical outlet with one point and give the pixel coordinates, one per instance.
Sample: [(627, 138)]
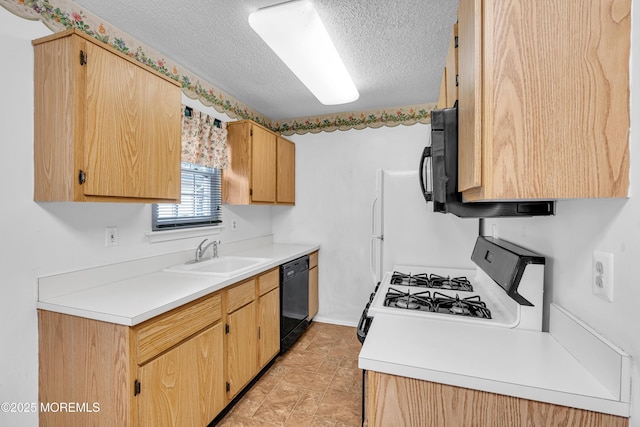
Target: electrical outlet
[(111, 236), (234, 225), (602, 275)]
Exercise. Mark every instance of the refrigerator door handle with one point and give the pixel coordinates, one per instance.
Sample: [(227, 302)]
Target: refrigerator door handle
[(372, 258), (374, 237), (374, 202)]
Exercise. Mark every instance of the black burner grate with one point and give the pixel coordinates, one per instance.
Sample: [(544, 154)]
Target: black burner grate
[(439, 303), (432, 281)]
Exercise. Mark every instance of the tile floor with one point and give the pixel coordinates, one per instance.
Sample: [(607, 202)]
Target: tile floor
[(316, 383)]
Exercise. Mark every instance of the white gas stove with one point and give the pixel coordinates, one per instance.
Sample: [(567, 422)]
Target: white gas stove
[(505, 290)]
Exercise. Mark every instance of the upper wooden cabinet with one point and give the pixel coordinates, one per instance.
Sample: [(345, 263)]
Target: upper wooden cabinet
[(543, 99), (107, 128), (449, 84), (390, 398), (286, 171), (261, 166)]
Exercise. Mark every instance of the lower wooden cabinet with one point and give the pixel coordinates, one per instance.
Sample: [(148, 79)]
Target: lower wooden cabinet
[(268, 326), (313, 284), (242, 348), (184, 386), (394, 400), (180, 368), (89, 362), (253, 333)]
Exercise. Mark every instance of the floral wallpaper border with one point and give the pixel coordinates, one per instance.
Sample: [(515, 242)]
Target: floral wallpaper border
[(59, 15), (356, 120)]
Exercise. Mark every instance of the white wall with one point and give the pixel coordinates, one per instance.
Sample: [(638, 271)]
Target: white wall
[(335, 182), (39, 239)]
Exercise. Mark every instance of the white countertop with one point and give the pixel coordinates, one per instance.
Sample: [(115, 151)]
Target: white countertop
[(135, 299), (515, 362)]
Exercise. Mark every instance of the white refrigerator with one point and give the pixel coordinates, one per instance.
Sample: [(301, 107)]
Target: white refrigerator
[(405, 230)]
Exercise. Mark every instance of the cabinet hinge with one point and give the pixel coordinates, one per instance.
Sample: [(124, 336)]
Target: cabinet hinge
[(82, 177), (226, 328), (457, 80), (228, 387), (251, 132), (258, 332), (136, 387), (455, 41), (83, 58), (251, 191)]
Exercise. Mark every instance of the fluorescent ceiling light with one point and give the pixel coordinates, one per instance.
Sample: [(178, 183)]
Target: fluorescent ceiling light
[(294, 31)]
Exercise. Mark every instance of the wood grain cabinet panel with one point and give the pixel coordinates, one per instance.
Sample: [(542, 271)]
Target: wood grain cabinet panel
[(394, 400), (163, 332), (286, 173), (241, 294), (185, 386), (178, 381), (107, 128), (469, 94), (449, 85), (85, 360), (268, 281), (261, 166), (543, 105), (242, 348), (313, 284), (268, 326)]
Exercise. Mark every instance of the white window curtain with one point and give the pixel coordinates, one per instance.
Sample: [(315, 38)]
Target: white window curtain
[(204, 139)]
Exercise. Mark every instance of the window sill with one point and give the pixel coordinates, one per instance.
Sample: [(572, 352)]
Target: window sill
[(165, 236)]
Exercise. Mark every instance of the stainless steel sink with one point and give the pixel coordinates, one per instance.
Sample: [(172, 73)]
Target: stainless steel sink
[(219, 267)]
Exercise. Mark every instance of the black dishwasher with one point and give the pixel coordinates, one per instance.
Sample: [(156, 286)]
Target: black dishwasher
[(294, 301)]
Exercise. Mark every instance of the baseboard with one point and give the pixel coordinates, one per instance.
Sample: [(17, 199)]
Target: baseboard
[(322, 319)]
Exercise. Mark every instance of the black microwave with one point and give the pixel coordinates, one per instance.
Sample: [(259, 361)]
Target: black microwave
[(439, 177)]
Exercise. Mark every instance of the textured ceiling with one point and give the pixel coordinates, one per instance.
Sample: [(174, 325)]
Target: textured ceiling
[(394, 50)]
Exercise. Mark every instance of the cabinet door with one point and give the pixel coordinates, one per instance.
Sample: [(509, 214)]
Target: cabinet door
[(391, 398), (242, 348), (185, 386), (132, 130), (269, 326), (263, 166), (469, 94), (448, 85), (286, 176), (543, 126), (452, 69), (313, 292)]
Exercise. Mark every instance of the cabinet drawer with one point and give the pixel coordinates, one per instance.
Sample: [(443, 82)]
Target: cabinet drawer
[(313, 259), (240, 295), (268, 281), (163, 332)]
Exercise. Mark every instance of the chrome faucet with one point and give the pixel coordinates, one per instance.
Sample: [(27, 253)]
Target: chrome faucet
[(200, 251)]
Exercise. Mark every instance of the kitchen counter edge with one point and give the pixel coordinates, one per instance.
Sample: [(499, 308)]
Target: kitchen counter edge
[(532, 383), (104, 302)]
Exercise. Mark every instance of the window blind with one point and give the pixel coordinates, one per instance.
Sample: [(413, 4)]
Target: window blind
[(201, 197)]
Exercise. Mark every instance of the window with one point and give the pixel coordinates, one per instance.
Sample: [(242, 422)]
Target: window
[(200, 201)]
